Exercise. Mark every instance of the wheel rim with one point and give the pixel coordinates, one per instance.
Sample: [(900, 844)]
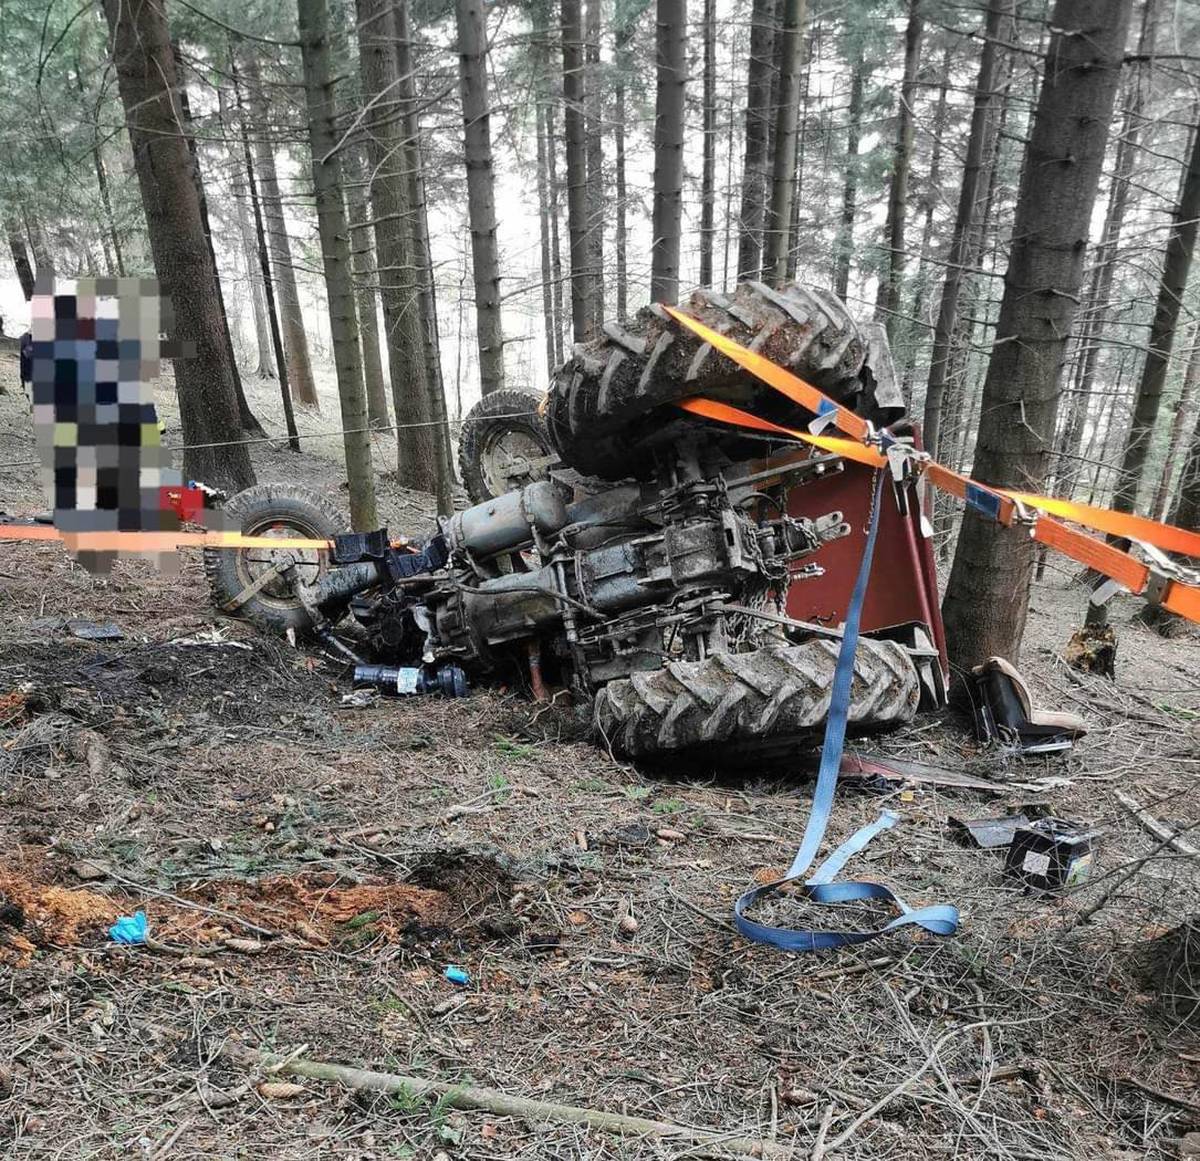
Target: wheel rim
[(507, 458), (311, 563)]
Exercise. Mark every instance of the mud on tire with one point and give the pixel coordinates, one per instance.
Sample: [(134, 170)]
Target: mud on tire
[(271, 510), (503, 427), (601, 404), (763, 702)]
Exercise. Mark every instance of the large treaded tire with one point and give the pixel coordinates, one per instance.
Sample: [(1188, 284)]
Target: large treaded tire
[(762, 702), (602, 404), (283, 509), (502, 421)]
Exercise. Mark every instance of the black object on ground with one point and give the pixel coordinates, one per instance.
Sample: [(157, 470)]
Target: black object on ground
[(1051, 853), (404, 680), (1004, 713)]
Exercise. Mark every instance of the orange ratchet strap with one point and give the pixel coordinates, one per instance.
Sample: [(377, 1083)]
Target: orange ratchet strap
[(1000, 504)]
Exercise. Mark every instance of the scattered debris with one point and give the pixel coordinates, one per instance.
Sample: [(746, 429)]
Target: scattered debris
[(131, 929), (1004, 713), (1093, 649), (991, 833), (894, 771), (212, 639), (1051, 853), (359, 699), (94, 631), (1151, 825)]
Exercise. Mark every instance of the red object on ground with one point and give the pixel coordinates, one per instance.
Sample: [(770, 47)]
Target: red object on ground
[(903, 585), (186, 503)]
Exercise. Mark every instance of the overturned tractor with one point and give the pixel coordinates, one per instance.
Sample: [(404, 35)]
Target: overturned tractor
[(643, 558)]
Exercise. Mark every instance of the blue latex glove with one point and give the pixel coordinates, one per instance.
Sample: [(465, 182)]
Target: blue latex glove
[(130, 929)]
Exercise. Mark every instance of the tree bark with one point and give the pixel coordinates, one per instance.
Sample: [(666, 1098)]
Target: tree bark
[(248, 420), (20, 257), (964, 224), (237, 179), (1186, 513), (146, 80), (264, 267), (291, 319), (543, 193), (844, 247), (383, 128), (887, 303), (1177, 263), (1065, 470), (335, 256), (481, 194), (42, 258), (1191, 377), (783, 173), (708, 171), (582, 281), (755, 170), (988, 593), (623, 37), (435, 393), (594, 129), (555, 234), (362, 262), (668, 150)]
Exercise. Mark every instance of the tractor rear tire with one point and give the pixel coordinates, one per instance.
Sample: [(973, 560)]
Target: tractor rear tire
[(744, 706), (271, 510), (503, 427), (601, 403)]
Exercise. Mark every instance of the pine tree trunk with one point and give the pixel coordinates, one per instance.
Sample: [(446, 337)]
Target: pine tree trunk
[(291, 319), (481, 195), (668, 150), (1186, 513), (20, 257), (964, 225), (435, 393), (759, 116), (988, 593), (335, 256), (237, 179), (383, 129), (1177, 264), (594, 128), (110, 221), (362, 262), (887, 304), (555, 237), (623, 37), (929, 203), (708, 172), (783, 171), (844, 247), (248, 420), (264, 265), (1104, 267), (582, 282), (145, 67), (42, 258), (544, 237), (1191, 377)]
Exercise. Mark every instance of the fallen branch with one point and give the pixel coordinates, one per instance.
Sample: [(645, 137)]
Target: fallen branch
[(1153, 826), (466, 1096)]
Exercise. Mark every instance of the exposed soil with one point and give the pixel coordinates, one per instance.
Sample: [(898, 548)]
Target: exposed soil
[(309, 872)]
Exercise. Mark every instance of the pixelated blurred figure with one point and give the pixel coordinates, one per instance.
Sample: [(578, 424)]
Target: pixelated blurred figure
[(93, 358)]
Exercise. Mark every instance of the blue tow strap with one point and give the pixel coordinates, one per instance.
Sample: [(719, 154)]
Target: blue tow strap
[(819, 887)]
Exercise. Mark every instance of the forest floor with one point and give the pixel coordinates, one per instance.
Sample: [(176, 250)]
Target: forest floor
[(310, 870)]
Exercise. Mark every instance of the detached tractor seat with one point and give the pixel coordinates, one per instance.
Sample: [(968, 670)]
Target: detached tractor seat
[(1004, 712)]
